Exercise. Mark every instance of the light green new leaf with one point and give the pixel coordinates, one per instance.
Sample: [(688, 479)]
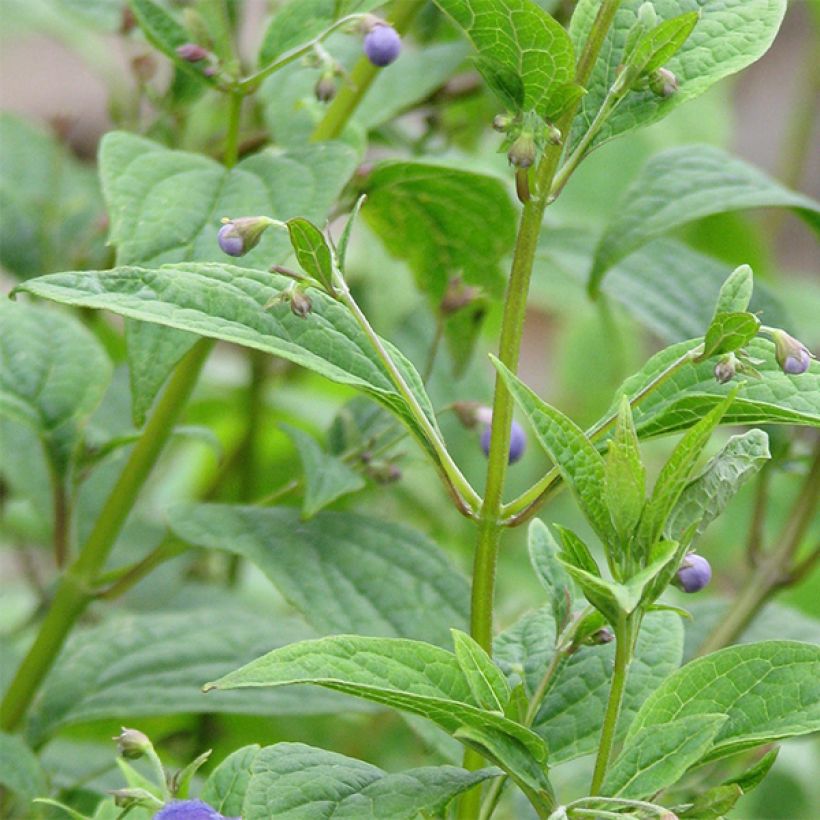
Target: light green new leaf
[(343, 572), (292, 780), (165, 206), (227, 784), (312, 251), (625, 487), (486, 681), (768, 691), (409, 675), (20, 770), (326, 477), (730, 35), (581, 465), (53, 373), (654, 759), (729, 332), (706, 496), (543, 551), (524, 42), (736, 292), (443, 221), (225, 302), (654, 48), (713, 804), (684, 184)]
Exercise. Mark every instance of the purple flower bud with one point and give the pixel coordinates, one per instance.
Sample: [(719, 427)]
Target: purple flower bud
[(694, 573), (663, 83), (522, 152), (791, 354), (131, 743), (726, 368), (238, 236), (325, 88), (192, 53), (502, 123), (518, 441), (300, 303), (188, 810), (382, 44)]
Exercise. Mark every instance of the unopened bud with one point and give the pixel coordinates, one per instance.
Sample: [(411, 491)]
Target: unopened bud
[(694, 574), (468, 413), (188, 810), (144, 67), (791, 354), (325, 88), (522, 152), (300, 303), (382, 43), (385, 473), (192, 53), (601, 636), (502, 123), (125, 798), (663, 83), (238, 236), (726, 368), (518, 442), (131, 743), (457, 296), (554, 136)]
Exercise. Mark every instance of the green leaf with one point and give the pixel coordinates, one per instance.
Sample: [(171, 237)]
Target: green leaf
[(486, 681), (409, 675), (768, 691), (153, 664), (752, 777), (679, 402), (730, 35), (228, 783), (653, 759), (654, 48), (736, 292), (525, 42), (292, 780), (706, 496), (442, 221), (53, 373), (225, 302), (343, 572), (713, 804), (550, 572), (581, 465), (684, 184), (729, 332), (20, 770), (312, 251), (344, 239), (327, 478), (165, 206), (51, 204)]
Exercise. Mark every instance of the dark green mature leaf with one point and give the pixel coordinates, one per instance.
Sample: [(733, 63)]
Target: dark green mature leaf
[(326, 477), (20, 770), (343, 572), (706, 496), (486, 681), (228, 783), (155, 663), (409, 675), (654, 759), (730, 35), (729, 332), (681, 185), (768, 691), (581, 465), (524, 42), (165, 206), (292, 780), (443, 221), (225, 302), (543, 552), (312, 251), (53, 373), (51, 204)]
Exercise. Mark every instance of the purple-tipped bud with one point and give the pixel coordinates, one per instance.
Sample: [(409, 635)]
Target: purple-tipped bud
[(238, 236), (522, 152), (601, 636), (188, 810), (663, 83), (300, 303), (726, 368), (382, 44), (325, 88), (131, 743), (192, 53), (694, 573), (791, 354), (518, 441), (502, 123)]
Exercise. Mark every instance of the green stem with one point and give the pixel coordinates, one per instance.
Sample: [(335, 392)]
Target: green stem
[(232, 139), (61, 516), (361, 77), (624, 639), (773, 572), (113, 584), (76, 588)]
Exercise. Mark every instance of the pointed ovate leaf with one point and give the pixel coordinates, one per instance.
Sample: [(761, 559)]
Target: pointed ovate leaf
[(486, 681), (20, 770), (442, 221), (736, 292), (294, 780), (327, 478), (343, 572), (525, 42), (729, 35), (768, 691), (344, 239), (504, 81), (228, 783), (656, 47), (574, 551), (225, 302), (675, 474), (53, 373), (408, 675), (312, 251), (713, 804), (543, 551), (580, 464), (752, 777), (689, 182), (729, 332), (609, 598), (650, 583), (706, 496), (654, 759)]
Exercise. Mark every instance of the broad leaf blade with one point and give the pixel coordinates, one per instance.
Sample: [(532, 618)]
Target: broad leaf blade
[(228, 783), (728, 333), (312, 251), (486, 681), (20, 770), (543, 551)]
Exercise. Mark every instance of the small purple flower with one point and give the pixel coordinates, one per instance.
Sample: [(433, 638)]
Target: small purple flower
[(382, 44), (694, 573), (238, 236), (192, 53), (230, 241), (188, 810), (518, 441)]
